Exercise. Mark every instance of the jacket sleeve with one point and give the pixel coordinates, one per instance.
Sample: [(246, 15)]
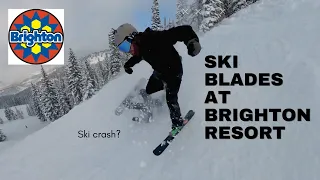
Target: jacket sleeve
[(183, 33), (132, 61)]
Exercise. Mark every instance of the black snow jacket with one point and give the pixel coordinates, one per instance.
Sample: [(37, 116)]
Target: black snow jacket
[(156, 48)]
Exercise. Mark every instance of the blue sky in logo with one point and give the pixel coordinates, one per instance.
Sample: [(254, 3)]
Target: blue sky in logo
[(143, 16)]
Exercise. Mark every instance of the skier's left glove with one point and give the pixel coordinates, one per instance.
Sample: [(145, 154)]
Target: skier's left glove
[(194, 47)]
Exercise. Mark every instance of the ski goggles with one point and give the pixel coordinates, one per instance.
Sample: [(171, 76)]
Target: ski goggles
[(125, 45)]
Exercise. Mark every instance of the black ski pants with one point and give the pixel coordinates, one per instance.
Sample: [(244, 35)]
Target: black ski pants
[(171, 84)]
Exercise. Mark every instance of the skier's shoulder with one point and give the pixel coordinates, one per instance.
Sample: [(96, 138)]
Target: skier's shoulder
[(148, 29), (149, 36)]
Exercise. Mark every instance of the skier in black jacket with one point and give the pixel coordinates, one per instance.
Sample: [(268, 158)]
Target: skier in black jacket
[(156, 48)]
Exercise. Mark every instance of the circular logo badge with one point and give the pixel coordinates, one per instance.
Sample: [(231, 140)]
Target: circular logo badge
[(36, 36)]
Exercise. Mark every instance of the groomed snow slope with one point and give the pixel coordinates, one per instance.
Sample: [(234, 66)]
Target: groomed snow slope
[(270, 36)]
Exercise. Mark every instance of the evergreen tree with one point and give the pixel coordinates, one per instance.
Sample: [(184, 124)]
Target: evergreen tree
[(90, 90), (2, 136), (1, 121), (248, 2), (115, 56), (75, 79), (50, 100), (196, 14), (9, 113), (15, 115), (30, 110), (232, 6), (90, 74), (182, 12), (155, 21), (36, 101), (96, 79), (90, 83), (102, 73), (66, 88), (212, 14), (65, 94), (64, 107), (19, 113)]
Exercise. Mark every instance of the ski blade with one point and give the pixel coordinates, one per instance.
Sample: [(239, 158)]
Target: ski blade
[(166, 142)]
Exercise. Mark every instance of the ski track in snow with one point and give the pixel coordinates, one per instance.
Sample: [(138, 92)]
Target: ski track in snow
[(269, 36)]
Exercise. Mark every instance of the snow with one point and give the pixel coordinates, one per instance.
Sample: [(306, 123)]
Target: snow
[(270, 36), (17, 130)]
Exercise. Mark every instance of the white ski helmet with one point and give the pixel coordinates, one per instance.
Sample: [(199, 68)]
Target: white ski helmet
[(123, 31)]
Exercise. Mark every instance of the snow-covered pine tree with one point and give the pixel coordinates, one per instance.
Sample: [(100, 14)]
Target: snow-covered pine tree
[(19, 113), (90, 73), (36, 101), (115, 56), (212, 14), (9, 113), (102, 73), (155, 20), (232, 6), (196, 14), (75, 79), (1, 121), (30, 110), (182, 12), (50, 98), (65, 95), (66, 88), (64, 107), (15, 115), (90, 90), (248, 2), (96, 79), (2, 136), (90, 83)]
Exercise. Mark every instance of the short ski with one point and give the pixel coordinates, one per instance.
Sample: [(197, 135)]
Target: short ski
[(166, 142)]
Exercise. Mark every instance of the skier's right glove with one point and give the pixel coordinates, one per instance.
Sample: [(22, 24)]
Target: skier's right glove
[(128, 70)]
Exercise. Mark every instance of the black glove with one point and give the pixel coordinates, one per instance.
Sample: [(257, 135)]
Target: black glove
[(194, 47), (128, 70)]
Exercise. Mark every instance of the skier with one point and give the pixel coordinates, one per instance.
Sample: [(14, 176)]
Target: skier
[(156, 48)]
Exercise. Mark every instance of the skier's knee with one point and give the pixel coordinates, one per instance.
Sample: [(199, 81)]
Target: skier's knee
[(171, 101), (172, 97)]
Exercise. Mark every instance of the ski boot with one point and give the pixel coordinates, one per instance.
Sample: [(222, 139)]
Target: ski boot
[(176, 127)]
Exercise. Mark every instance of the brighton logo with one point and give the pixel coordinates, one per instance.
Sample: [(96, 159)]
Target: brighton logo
[(35, 36)]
